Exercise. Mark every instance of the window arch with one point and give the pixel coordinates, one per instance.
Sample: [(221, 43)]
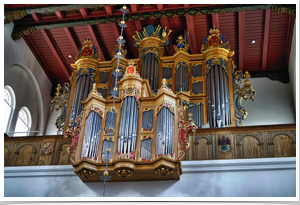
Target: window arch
[(9, 106), (23, 123)]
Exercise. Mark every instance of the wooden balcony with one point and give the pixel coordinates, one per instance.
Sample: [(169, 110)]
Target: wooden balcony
[(246, 142)]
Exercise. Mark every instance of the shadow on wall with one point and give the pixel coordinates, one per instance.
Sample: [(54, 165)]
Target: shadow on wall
[(273, 103), (28, 94)]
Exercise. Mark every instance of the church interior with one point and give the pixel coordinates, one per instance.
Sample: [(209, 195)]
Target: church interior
[(149, 100)]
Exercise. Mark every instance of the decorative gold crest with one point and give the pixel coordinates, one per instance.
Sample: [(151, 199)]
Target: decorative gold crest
[(215, 40), (88, 50)]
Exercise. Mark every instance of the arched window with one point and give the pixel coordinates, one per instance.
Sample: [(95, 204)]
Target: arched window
[(9, 106), (23, 123)]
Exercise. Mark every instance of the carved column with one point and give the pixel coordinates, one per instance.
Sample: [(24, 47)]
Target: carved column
[(213, 147), (210, 151), (191, 149), (239, 151), (262, 150), (196, 150), (271, 149)]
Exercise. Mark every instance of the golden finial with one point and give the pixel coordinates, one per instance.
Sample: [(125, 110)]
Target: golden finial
[(57, 93), (88, 41), (247, 76), (131, 63), (164, 83), (214, 31), (94, 89), (190, 115)]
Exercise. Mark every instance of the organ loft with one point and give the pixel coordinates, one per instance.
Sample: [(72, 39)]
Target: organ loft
[(163, 92), (136, 114)]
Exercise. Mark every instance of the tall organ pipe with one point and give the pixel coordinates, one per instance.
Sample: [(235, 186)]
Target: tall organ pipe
[(149, 70), (218, 109), (217, 86), (164, 131), (128, 125), (91, 135), (82, 88)]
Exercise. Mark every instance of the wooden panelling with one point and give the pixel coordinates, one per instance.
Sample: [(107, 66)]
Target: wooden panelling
[(64, 46), (25, 156), (106, 32), (202, 26), (277, 40), (203, 149), (129, 31), (246, 142), (5, 154), (253, 31), (283, 146), (228, 25), (27, 151), (250, 147), (64, 157)]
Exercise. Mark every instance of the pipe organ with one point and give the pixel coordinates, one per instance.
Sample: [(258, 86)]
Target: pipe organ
[(144, 119)]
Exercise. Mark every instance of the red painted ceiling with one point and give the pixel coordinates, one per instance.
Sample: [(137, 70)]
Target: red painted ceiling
[(271, 31)]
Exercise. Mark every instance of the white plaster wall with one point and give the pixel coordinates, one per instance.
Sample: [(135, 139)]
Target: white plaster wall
[(17, 52), (292, 66), (263, 177), (52, 116), (273, 103)]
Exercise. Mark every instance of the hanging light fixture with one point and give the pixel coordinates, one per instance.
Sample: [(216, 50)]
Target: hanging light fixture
[(105, 177)]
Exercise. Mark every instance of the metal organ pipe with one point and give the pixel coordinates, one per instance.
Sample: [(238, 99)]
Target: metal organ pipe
[(218, 109), (164, 131), (222, 96), (82, 88), (149, 70), (213, 109), (91, 135), (217, 86), (128, 125)]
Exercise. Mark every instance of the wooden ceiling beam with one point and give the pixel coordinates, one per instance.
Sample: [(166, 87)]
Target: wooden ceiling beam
[(109, 10), (95, 41), (71, 39), (84, 13), (116, 31), (51, 43), (266, 38), (39, 58), (134, 7), (60, 15), (191, 29), (215, 20), (36, 16), (138, 25), (164, 23), (160, 6), (241, 22)]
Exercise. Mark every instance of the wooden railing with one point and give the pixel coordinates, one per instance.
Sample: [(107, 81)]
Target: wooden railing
[(28, 151), (245, 142)]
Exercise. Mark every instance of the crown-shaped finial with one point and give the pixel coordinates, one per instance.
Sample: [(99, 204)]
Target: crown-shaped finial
[(88, 41), (131, 63), (214, 40), (88, 50), (214, 31)]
